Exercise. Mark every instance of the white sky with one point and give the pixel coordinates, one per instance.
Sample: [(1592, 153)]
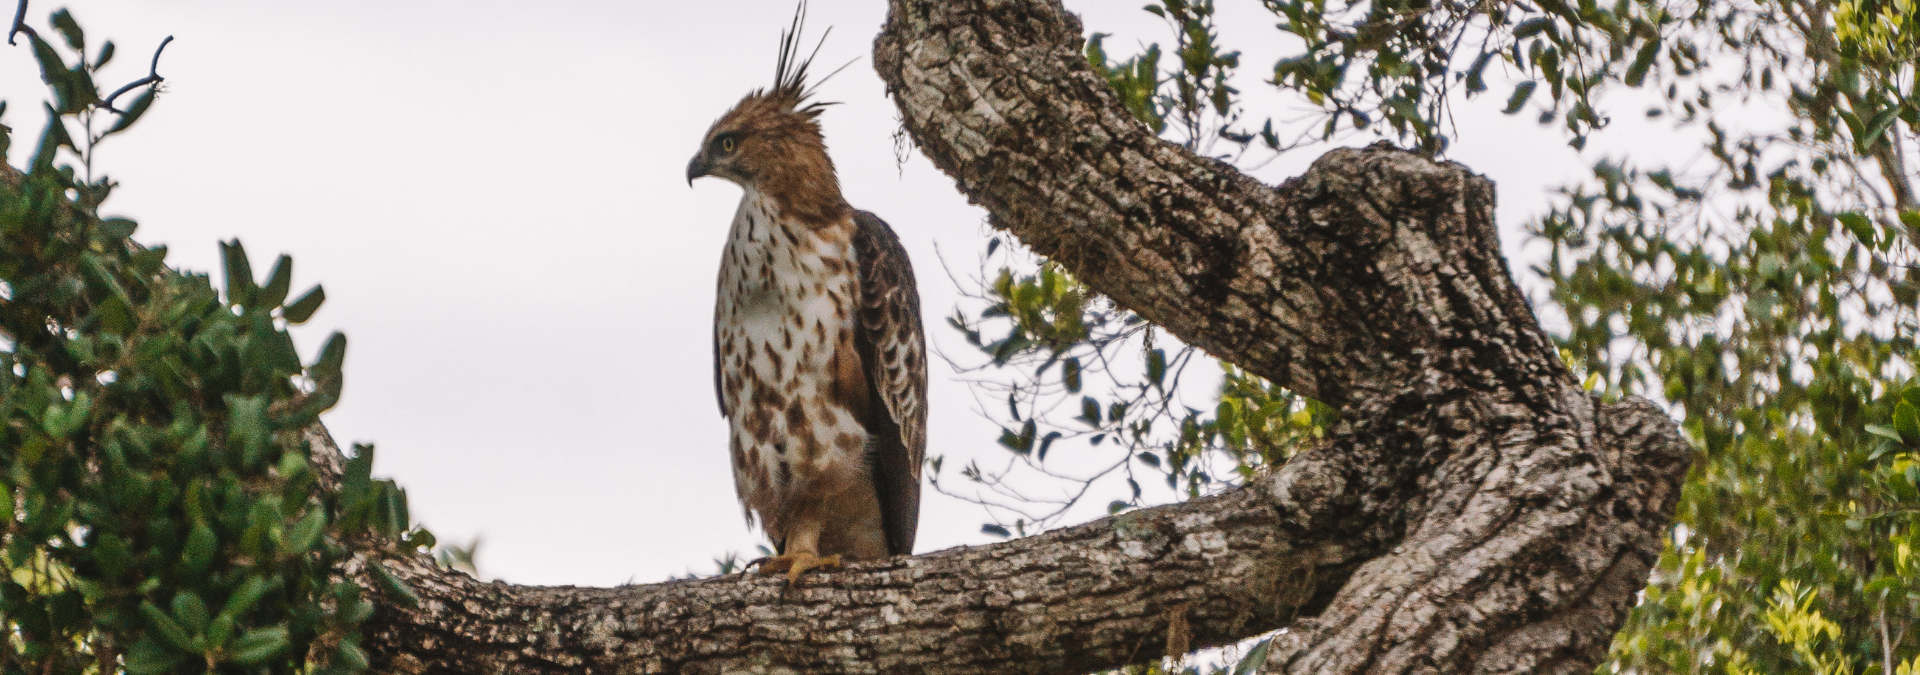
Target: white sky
[(493, 194)]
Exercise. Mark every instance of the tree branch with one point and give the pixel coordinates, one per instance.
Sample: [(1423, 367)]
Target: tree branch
[(1001, 99), (153, 77), (19, 23), (1473, 511)]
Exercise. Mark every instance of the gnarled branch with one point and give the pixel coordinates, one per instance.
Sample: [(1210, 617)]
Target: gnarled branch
[(1474, 510)]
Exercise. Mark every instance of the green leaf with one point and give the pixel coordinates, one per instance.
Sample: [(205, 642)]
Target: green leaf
[(352, 658), (261, 644), (1089, 411), (111, 552), (115, 317), (1476, 75), (278, 281), (1858, 224), (298, 311), (69, 29), (51, 140), (1535, 26), (133, 112), (306, 532), (239, 273), (1883, 432), (1876, 128), (191, 611), (150, 657), (243, 598), (1022, 442), (1907, 421), (53, 69), (1521, 93), (219, 632), (165, 625), (1046, 442), (1642, 62), (197, 555)]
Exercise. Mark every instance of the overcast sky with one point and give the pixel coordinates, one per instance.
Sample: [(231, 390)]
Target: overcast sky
[(493, 194)]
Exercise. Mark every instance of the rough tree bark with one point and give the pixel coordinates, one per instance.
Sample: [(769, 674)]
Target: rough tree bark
[(1474, 511)]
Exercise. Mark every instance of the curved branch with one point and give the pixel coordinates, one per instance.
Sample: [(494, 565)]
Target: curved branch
[(1473, 511), (153, 77), (19, 23), (1070, 601), (999, 97)]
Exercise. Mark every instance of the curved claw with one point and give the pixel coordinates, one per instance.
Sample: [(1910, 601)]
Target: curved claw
[(797, 563)]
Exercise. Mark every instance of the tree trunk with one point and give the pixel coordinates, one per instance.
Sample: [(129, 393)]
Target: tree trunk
[(1474, 511)]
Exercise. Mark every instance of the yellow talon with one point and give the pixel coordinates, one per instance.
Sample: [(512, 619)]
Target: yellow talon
[(797, 563)]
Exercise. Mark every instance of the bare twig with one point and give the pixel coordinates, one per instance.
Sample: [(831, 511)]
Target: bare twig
[(153, 75), (19, 23)]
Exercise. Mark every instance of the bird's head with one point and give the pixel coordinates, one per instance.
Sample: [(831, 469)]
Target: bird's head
[(772, 135)]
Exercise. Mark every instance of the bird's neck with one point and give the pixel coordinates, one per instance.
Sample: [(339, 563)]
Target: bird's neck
[(766, 220), (807, 194)]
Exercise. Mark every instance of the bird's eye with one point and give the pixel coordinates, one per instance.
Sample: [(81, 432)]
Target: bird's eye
[(725, 144)]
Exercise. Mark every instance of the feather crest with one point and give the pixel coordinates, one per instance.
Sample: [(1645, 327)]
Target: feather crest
[(790, 70)]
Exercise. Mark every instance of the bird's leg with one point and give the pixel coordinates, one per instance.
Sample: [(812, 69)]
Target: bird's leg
[(802, 553)]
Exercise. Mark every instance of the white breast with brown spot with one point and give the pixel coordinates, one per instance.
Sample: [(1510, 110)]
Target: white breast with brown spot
[(785, 307)]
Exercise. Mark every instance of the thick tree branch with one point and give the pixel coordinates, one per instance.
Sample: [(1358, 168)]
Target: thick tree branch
[(1103, 594), (1474, 510), (998, 95)]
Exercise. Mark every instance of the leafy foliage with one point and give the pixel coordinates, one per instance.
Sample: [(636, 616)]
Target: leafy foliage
[(166, 511)]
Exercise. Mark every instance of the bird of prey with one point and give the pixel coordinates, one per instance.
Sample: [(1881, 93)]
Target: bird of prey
[(819, 357)]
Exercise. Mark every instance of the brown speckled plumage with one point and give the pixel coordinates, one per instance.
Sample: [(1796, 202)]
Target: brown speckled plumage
[(819, 357)]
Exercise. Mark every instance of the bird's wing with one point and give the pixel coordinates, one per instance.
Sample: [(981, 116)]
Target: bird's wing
[(893, 351)]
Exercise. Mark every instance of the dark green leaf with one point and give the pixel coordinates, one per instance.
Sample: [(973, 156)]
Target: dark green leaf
[(298, 311), (1907, 421), (198, 554), (190, 611), (1642, 62), (239, 273), (1521, 93), (259, 645), (279, 279), (69, 29), (1476, 75), (166, 627), (133, 112)]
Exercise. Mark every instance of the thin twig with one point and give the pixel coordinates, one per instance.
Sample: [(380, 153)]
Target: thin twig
[(153, 75), (19, 23)]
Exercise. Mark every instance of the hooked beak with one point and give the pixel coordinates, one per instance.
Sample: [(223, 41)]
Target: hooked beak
[(696, 169)]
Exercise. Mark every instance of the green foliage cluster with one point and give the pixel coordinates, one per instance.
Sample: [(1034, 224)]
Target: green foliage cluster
[(1196, 98), (1768, 293), (1789, 352), (164, 510)]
